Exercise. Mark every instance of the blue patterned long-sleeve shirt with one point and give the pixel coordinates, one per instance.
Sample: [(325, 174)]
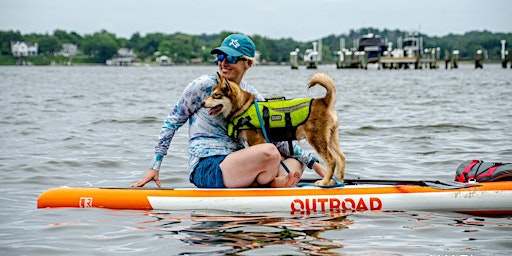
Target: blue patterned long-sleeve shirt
[(207, 134)]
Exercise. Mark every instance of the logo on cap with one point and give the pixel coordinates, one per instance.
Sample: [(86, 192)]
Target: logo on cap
[(234, 43)]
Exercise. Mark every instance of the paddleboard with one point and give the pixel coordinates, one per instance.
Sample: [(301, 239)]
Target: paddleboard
[(487, 198)]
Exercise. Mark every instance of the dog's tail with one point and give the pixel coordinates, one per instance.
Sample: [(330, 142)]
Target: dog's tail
[(325, 81)]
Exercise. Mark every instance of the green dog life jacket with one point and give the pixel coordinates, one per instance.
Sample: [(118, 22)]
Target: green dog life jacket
[(280, 118)]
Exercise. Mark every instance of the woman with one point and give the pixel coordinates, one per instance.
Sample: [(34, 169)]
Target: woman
[(217, 161)]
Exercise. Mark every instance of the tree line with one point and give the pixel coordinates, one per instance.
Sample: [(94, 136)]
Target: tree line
[(181, 47)]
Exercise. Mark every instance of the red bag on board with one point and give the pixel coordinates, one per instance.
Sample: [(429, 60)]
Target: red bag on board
[(480, 171)]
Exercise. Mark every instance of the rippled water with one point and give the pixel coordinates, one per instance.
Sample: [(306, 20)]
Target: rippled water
[(96, 126)]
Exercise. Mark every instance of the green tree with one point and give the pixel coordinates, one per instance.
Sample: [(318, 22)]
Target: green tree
[(101, 46), (148, 45), (166, 47), (5, 41), (49, 45), (65, 37), (183, 47)]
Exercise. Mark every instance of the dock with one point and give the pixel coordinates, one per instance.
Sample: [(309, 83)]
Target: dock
[(409, 54)]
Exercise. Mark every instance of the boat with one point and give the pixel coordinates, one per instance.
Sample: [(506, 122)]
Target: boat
[(412, 45), (481, 198), (372, 45)]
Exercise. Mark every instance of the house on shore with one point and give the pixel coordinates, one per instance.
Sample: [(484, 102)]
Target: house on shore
[(69, 50), (21, 49), (124, 57)]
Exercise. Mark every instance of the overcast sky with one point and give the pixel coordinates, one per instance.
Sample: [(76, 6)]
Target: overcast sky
[(299, 19)]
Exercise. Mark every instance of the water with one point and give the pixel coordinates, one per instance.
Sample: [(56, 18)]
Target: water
[(96, 126)]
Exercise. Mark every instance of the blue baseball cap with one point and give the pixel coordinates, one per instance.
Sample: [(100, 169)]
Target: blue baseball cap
[(236, 45)]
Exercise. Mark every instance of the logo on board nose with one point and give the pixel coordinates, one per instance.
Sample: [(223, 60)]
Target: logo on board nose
[(234, 43), (85, 202)]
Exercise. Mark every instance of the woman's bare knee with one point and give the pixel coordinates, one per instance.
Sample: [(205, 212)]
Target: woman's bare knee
[(258, 163), (270, 153)]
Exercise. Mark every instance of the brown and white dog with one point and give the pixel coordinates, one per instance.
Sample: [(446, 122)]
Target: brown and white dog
[(320, 129)]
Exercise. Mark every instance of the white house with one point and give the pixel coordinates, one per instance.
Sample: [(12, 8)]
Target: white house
[(124, 57), (69, 50), (164, 60), (23, 49)]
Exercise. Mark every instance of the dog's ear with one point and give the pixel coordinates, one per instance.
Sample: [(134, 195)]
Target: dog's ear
[(226, 87)]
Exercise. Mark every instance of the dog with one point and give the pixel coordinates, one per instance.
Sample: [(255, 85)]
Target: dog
[(320, 129)]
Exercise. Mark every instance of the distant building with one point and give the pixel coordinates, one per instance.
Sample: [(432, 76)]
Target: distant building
[(124, 57), (20, 49), (164, 60), (69, 50), (196, 60)]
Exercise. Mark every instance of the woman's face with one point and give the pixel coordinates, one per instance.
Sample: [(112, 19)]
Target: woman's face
[(234, 72)]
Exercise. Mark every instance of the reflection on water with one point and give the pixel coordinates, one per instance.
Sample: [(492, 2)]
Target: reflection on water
[(375, 233), (240, 233)]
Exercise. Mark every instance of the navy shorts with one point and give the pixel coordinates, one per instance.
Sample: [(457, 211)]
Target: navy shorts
[(208, 174)]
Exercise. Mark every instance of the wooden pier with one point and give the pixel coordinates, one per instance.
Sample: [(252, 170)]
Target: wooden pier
[(426, 60), (351, 59)]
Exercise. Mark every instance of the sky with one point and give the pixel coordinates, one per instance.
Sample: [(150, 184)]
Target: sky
[(300, 20)]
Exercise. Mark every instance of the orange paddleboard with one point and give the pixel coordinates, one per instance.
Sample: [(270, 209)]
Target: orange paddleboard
[(483, 198)]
